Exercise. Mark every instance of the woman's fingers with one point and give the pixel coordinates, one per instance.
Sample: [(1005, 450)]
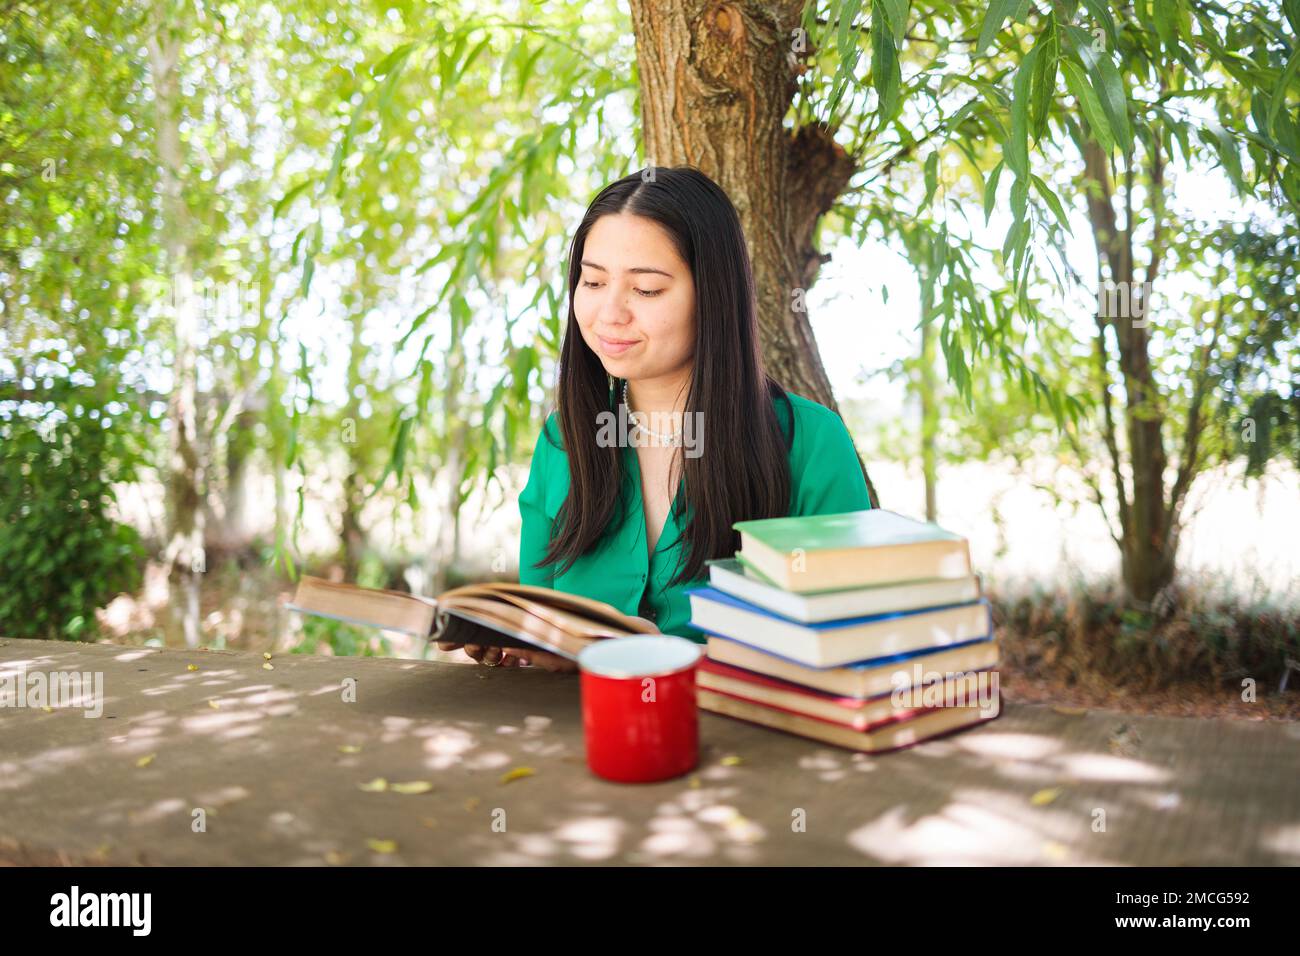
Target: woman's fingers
[(517, 657)]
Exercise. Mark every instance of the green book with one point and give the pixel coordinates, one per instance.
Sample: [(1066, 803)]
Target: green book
[(850, 549)]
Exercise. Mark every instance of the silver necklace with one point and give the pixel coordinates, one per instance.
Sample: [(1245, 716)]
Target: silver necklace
[(674, 439)]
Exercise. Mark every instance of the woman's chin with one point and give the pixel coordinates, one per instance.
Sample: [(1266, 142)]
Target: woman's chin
[(620, 367)]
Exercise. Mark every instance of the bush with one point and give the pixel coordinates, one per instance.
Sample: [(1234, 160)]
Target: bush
[(61, 553), (1084, 633)]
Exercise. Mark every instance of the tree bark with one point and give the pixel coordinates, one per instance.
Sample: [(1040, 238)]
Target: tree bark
[(927, 389), (453, 462), (716, 82), (353, 537), (184, 551)]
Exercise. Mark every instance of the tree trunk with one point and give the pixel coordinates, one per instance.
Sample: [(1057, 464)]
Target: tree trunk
[(353, 535), (716, 82), (1148, 536), (448, 544), (184, 551), (927, 388)]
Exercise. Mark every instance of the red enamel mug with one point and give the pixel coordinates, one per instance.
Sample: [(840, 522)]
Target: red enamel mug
[(638, 707)]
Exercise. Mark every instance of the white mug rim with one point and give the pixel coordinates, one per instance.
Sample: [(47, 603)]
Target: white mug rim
[(678, 653)]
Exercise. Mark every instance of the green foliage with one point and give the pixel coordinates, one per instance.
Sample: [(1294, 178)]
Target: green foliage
[(62, 554), (438, 85), (1038, 83), (1257, 376), (343, 640)]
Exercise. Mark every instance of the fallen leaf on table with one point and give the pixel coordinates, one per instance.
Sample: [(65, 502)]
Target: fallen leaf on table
[(48, 709), (349, 748), (1046, 796), (193, 667), (378, 785), (414, 786), (267, 656), (382, 846), (731, 760), (214, 705), (268, 667), (145, 761), (742, 829), (517, 773), (1055, 851)]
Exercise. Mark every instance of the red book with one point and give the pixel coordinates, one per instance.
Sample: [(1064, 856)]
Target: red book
[(873, 724)]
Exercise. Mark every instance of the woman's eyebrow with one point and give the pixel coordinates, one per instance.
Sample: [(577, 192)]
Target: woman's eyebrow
[(635, 269)]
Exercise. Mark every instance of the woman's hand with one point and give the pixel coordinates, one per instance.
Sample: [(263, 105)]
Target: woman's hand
[(514, 657), (484, 654)]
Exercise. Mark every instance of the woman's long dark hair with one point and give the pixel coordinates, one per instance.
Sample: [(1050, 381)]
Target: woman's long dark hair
[(743, 471)]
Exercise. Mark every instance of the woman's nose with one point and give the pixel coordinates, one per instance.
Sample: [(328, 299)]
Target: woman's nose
[(614, 310)]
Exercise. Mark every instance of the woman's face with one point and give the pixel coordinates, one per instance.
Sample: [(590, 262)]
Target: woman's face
[(635, 289)]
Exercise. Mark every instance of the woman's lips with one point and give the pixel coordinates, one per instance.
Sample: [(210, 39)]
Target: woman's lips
[(613, 347)]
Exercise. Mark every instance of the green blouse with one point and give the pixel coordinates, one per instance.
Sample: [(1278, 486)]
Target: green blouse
[(826, 478)]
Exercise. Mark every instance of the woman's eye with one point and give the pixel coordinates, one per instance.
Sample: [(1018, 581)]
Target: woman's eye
[(646, 293)]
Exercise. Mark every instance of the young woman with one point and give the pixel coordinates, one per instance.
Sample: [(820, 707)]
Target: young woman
[(662, 339)]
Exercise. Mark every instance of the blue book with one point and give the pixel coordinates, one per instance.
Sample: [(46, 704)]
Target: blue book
[(839, 642)]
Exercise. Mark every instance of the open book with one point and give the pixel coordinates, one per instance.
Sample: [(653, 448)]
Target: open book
[(496, 614)]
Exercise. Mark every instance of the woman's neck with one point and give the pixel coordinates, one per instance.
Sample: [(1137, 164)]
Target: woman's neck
[(665, 395)]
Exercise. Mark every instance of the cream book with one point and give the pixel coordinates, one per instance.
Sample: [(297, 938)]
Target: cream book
[(495, 614), (742, 580)]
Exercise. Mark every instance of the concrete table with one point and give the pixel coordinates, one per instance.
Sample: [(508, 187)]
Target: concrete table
[(233, 763)]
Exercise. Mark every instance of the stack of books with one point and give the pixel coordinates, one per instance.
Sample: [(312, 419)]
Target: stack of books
[(865, 629)]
